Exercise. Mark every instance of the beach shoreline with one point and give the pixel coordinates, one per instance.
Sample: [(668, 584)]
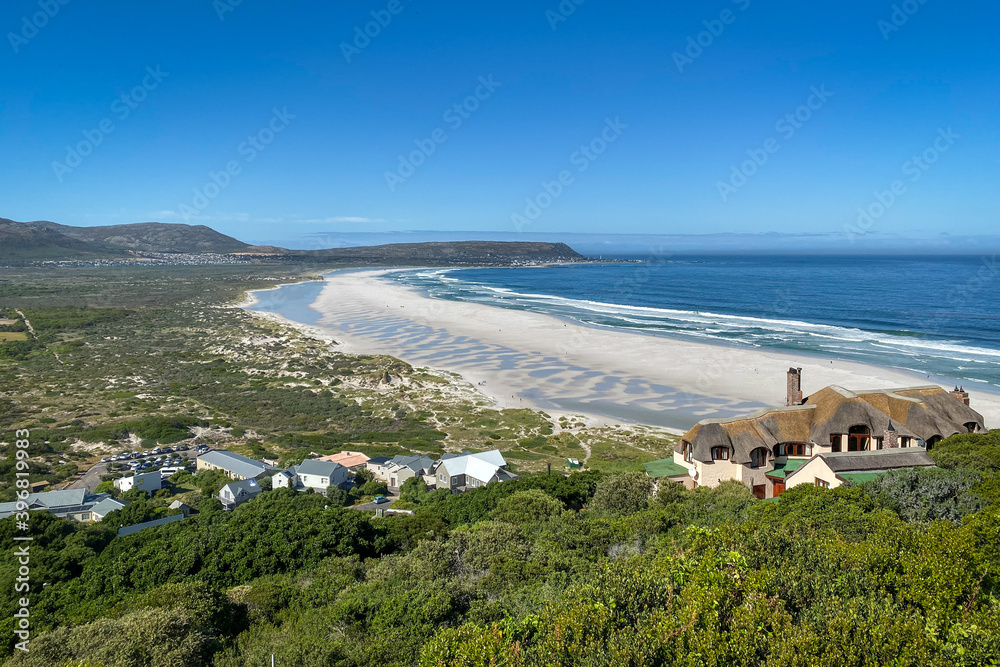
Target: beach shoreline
[(534, 360)]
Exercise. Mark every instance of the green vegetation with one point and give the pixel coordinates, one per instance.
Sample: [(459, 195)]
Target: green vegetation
[(589, 569)]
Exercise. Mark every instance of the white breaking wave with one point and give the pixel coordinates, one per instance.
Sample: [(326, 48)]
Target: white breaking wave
[(852, 342)]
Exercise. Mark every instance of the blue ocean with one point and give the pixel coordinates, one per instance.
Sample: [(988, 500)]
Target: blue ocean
[(937, 317)]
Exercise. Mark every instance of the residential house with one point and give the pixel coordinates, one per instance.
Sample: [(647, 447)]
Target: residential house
[(401, 468), (376, 465), (185, 509), (73, 504), (233, 465), (350, 460), (106, 507), (468, 471), (234, 494), (832, 469), (150, 482), (311, 474), (765, 449), (128, 530)]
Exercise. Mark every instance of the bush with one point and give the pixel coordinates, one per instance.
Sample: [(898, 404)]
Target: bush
[(527, 507), (623, 494)]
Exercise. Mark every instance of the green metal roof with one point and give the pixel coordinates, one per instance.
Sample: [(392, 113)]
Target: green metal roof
[(860, 477), (783, 470), (664, 468)]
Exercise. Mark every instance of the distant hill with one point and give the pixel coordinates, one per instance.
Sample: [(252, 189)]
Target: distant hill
[(456, 252), (152, 237), (22, 242), (19, 241)]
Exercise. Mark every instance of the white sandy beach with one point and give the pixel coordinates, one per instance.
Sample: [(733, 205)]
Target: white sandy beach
[(524, 359)]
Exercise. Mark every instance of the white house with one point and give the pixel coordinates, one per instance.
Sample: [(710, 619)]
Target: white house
[(469, 471), (311, 474), (106, 507), (149, 482), (234, 494)]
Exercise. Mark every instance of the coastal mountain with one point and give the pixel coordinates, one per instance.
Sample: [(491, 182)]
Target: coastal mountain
[(456, 252), (151, 237), (26, 242), (19, 241)]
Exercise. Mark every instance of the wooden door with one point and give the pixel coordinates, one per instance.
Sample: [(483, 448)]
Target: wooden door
[(760, 491), (778, 488)]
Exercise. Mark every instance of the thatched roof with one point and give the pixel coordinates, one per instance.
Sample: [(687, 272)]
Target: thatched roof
[(915, 412)]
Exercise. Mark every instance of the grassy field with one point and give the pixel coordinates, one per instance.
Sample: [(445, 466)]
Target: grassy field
[(13, 335)]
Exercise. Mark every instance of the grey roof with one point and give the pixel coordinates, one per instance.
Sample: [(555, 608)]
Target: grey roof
[(321, 468), (878, 460), (248, 485), (379, 460), (414, 463), (128, 530), (234, 463), (107, 506), (178, 505), (51, 500)]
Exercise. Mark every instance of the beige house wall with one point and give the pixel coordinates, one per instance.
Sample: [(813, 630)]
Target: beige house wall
[(807, 474)]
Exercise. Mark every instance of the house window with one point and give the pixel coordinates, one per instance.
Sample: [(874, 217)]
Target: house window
[(720, 453), (793, 449), (686, 450), (859, 439), (836, 441), (758, 457), (822, 483)]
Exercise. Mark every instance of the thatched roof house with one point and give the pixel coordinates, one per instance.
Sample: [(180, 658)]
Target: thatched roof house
[(926, 414), (766, 448)]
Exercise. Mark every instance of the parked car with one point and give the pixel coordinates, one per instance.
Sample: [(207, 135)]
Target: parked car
[(380, 499)]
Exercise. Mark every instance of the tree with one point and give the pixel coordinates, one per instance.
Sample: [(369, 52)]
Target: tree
[(209, 505), (527, 507), (414, 490), (623, 494), (337, 496), (374, 488), (927, 494), (154, 637)]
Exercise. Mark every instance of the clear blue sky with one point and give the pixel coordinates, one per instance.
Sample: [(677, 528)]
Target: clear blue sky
[(326, 169)]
